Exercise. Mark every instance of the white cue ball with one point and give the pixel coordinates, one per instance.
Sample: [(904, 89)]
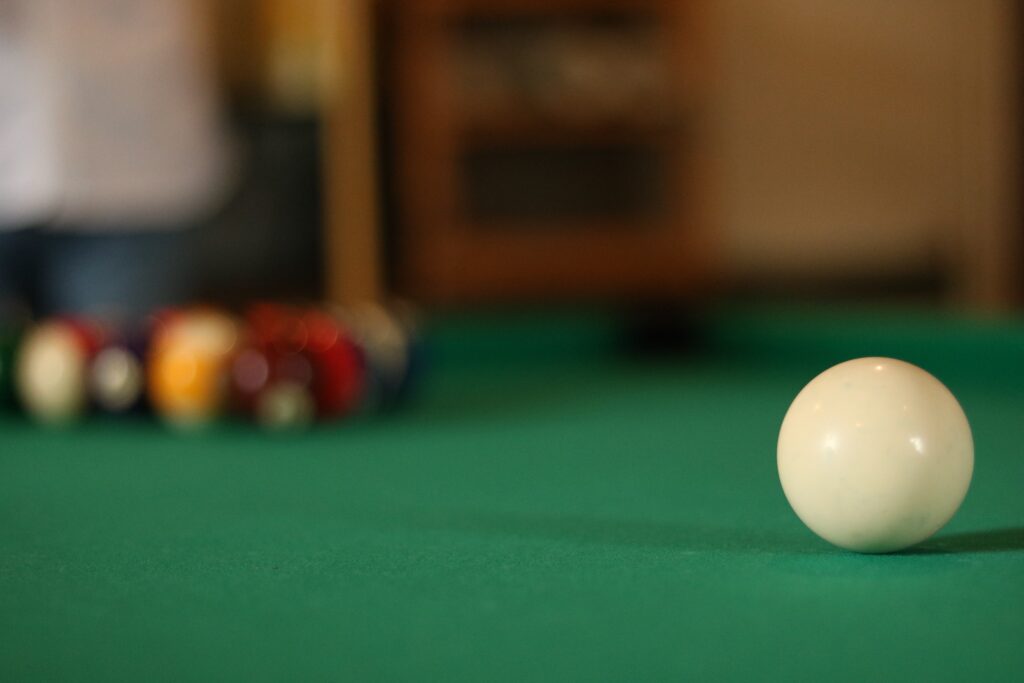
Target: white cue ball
[(875, 455)]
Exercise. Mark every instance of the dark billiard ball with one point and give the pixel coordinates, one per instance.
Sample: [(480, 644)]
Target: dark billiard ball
[(51, 372), (410, 320), (14, 318), (293, 367), (387, 347), (8, 345)]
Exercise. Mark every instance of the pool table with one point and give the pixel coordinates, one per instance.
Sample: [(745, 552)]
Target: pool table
[(549, 507)]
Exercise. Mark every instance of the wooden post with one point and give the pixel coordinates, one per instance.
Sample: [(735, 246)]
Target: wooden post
[(990, 238), (352, 239)]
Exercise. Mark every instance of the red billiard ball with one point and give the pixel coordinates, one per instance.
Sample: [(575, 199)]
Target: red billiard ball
[(338, 365), (277, 375), (278, 327)]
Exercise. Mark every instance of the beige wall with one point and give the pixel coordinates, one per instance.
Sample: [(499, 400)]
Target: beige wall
[(846, 129)]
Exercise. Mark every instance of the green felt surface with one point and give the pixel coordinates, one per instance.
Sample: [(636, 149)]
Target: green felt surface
[(548, 510)]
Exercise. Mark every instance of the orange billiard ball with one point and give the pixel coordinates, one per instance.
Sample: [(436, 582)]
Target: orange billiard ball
[(189, 364)]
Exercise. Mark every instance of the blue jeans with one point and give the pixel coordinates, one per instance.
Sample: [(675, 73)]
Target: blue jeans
[(123, 275)]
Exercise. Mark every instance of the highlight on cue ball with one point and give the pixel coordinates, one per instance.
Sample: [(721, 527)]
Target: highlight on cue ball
[(875, 455)]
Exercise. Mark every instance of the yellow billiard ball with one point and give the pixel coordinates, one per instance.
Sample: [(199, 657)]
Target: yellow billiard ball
[(189, 364)]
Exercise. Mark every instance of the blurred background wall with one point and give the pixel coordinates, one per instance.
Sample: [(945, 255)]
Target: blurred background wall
[(852, 147), (871, 139)]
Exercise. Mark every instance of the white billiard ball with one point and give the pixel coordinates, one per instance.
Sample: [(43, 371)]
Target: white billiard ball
[(875, 455), (116, 379), (51, 373)]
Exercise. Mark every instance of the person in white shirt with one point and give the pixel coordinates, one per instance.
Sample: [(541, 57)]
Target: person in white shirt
[(111, 148)]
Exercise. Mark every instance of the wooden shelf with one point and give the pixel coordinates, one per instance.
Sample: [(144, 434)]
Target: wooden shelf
[(462, 8), (529, 129), (448, 255)]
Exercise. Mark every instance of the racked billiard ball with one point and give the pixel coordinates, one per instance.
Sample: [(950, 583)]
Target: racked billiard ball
[(416, 357), (51, 372), (8, 346), (117, 374), (339, 373), (875, 455), (386, 347), (279, 372), (285, 405), (14, 320), (275, 389), (250, 375), (188, 366)]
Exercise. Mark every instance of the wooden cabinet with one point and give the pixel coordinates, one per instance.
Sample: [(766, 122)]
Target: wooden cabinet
[(547, 150), (562, 149)]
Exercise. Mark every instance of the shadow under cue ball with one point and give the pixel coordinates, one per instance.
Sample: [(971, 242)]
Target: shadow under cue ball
[(875, 455)]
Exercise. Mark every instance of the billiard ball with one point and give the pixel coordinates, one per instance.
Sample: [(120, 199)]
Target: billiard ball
[(189, 364), (875, 455), (250, 374), (8, 346), (51, 372), (14, 319), (293, 367), (117, 378), (286, 399), (273, 324), (339, 373), (285, 405), (255, 362), (387, 350), (416, 357)]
